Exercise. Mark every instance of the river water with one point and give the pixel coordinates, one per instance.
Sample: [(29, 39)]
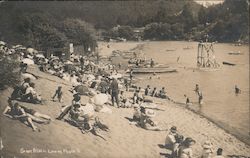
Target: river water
[(221, 105)]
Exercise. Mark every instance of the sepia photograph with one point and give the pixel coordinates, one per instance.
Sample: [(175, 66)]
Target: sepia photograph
[(124, 79)]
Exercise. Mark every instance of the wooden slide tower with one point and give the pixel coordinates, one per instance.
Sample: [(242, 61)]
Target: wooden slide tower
[(206, 56)]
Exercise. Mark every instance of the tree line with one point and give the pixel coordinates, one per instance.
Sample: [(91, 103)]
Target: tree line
[(55, 24)]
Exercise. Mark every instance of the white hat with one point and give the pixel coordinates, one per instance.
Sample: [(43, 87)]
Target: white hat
[(150, 113), (207, 145)]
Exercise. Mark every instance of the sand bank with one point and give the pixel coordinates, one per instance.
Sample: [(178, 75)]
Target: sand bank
[(59, 139)]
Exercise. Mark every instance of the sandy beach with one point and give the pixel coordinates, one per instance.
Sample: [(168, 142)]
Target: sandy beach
[(59, 139)]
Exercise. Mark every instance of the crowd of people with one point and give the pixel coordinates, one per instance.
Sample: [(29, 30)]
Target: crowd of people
[(182, 148), (98, 79)]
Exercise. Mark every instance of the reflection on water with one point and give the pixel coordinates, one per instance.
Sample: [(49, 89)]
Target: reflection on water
[(220, 102)]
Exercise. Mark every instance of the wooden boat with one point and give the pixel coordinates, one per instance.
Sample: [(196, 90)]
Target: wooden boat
[(153, 70), (235, 53), (227, 63)]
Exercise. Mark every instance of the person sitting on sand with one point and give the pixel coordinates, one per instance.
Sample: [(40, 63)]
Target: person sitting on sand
[(146, 121), (179, 140), (188, 103), (65, 111), (147, 90), (58, 93), (154, 92), (219, 153), (16, 111), (31, 94), (170, 139), (135, 98), (122, 99), (25, 85), (207, 151), (20, 90), (137, 114), (237, 90), (74, 115), (185, 149), (162, 93)]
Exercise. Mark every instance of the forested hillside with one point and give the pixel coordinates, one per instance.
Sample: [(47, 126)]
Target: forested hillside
[(34, 22)]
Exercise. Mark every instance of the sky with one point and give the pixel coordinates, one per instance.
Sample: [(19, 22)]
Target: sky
[(206, 3)]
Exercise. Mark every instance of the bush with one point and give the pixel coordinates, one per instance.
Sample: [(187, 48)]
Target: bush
[(80, 33), (126, 32), (9, 72)]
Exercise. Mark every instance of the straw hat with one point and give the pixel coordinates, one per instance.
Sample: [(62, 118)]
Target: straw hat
[(150, 113), (207, 145)]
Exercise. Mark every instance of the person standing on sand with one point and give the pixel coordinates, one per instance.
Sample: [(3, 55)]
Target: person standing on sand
[(58, 93), (147, 90), (200, 98), (197, 89), (219, 153), (131, 75), (114, 92)]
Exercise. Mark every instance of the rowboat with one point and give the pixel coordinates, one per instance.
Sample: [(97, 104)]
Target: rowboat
[(227, 63), (154, 70)]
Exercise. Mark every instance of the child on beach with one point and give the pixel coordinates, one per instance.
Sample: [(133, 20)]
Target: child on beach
[(188, 103), (207, 151), (237, 90), (219, 153), (59, 94)]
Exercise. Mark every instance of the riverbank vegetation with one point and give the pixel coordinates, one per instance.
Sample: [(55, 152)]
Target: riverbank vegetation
[(52, 24)]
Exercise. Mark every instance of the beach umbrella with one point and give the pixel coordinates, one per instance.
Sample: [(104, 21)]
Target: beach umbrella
[(19, 47), (100, 99), (68, 62), (31, 50), (28, 61), (2, 43), (82, 90)]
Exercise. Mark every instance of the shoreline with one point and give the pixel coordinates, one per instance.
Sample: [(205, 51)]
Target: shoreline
[(123, 139), (226, 127)]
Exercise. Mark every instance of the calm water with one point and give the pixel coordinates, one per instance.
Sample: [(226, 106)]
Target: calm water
[(220, 102)]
